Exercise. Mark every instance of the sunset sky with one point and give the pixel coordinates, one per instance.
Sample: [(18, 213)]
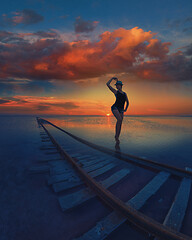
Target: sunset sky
[(56, 56)]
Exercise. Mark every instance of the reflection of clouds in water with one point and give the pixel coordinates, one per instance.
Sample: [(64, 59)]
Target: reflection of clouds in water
[(151, 130), (157, 123), (164, 139), (163, 123), (84, 122)]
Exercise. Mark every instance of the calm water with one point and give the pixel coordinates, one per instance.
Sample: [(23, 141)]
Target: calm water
[(163, 139)]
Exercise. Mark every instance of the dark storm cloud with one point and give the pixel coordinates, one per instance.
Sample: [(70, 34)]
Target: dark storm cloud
[(26, 17), (63, 105), (175, 67), (187, 29), (18, 38), (84, 26), (176, 23), (42, 107), (12, 82), (29, 89), (24, 54), (12, 99), (188, 51), (188, 19), (21, 86), (10, 37), (46, 34), (5, 34), (2, 101), (15, 99)]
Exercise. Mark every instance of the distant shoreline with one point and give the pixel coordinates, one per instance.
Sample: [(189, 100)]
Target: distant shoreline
[(44, 115)]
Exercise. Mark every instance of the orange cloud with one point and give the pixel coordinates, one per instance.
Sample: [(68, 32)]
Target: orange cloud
[(139, 105), (50, 105), (131, 51), (41, 66)]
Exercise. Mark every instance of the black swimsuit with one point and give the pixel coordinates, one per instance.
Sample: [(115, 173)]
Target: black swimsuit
[(120, 101)]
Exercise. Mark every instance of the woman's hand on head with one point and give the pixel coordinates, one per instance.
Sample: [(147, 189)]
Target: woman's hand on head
[(114, 78)]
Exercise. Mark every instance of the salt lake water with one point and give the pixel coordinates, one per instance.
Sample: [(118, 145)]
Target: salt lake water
[(165, 139)]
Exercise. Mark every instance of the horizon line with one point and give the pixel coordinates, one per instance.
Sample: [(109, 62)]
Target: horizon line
[(132, 115)]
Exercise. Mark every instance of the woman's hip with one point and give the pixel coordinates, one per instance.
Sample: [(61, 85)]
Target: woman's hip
[(115, 107)]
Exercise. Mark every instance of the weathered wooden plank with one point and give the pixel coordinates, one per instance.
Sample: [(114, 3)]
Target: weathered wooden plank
[(176, 213), (83, 195), (88, 166), (96, 166), (76, 155), (60, 170), (74, 150), (104, 227), (112, 221), (60, 167), (142, 196), (61, 186), (90, 158), (46, 137), (85, 163), (102, 170), (61, 178), (68, 173), (60, 163), (64, 177)]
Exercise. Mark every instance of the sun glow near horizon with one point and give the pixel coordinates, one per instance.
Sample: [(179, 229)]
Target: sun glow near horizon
[(66, 72)]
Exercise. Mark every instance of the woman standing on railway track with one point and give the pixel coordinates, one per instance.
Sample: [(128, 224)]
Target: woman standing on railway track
[(118, 107)]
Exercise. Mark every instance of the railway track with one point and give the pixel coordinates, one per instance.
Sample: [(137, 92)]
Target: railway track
[(92, 170)]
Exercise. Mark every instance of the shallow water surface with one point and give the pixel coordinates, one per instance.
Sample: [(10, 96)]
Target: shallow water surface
[(164, 139)]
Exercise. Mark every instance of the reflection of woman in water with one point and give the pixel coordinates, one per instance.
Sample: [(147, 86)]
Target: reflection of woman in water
[(118, 107)]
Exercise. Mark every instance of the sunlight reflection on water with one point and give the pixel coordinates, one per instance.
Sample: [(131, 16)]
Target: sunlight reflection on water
[(163, 139)]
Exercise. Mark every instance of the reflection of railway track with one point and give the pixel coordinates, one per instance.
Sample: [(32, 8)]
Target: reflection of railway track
[(86, 167)]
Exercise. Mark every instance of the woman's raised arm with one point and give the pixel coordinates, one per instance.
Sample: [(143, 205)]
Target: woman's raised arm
[(109, 86)]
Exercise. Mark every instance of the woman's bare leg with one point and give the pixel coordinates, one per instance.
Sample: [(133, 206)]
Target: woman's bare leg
[(118, 123), (119, 130)]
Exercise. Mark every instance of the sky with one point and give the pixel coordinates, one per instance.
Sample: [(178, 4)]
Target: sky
[(56, 56)]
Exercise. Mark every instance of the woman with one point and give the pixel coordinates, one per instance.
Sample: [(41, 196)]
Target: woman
[(118, 107)]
